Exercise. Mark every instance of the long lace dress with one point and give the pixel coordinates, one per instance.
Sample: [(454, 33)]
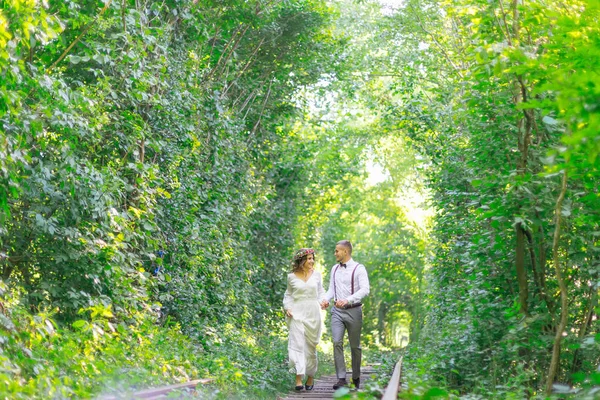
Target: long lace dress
[(305, 325)]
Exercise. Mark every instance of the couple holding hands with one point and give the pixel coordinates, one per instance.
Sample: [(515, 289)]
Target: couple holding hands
[(303, 301)]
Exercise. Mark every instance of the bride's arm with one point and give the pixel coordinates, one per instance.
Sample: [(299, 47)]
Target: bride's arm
[(287, 298), (321, 295)]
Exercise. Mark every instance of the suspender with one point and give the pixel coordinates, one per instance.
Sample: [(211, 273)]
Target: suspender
[(334, 289), (351, 280)]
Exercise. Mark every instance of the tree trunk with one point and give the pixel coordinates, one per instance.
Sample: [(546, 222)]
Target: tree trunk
[(534, 268), (564, 303), (521, 271)]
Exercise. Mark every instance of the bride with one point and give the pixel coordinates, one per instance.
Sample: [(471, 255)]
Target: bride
[(302, 308)]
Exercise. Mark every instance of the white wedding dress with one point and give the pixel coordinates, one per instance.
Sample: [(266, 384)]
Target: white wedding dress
[(305, 325)]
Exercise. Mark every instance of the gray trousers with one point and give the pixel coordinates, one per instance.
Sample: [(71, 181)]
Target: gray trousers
[(350, 320)]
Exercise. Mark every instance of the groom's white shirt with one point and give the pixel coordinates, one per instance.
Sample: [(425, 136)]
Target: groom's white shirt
[(343, 283)]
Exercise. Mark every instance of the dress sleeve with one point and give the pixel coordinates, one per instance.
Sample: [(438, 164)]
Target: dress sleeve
[(287, 297), (321, 295)]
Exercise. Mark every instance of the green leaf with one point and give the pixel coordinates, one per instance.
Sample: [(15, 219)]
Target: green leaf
[(434, 393), (80, 323)]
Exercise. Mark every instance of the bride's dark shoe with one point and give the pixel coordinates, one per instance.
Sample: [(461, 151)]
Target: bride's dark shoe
[(309, 387), (299, 387)]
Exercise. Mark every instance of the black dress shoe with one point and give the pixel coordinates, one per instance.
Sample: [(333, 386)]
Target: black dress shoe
[(356, 382), (299, 387), (309, 387), (340, 383)]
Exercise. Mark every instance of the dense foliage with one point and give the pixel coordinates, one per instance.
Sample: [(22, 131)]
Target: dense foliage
[(499, 102), (141, 175), (502, 99), (160, 161)]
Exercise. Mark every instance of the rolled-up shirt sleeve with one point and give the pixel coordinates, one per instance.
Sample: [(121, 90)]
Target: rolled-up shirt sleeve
[(287, 297), (330, 293), (363, 286)]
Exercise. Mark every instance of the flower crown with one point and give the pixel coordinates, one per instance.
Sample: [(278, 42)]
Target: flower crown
[(303, 252)]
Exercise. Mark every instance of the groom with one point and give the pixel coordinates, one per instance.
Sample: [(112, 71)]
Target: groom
[(348, 285)]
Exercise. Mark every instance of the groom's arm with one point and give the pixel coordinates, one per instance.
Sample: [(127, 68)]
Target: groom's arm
[(329, 294)]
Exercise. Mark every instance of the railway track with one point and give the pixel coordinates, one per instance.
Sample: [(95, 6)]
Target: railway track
[(323, 388), (324, 385)]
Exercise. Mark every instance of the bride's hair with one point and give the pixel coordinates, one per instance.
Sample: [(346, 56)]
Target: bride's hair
[(300, 258)]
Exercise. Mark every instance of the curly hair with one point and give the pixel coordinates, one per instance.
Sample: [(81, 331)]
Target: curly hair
[(300, 258)]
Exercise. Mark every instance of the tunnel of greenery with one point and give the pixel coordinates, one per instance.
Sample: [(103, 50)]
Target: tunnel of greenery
[(160, 161)]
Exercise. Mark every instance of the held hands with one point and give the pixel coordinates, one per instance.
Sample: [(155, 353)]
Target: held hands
[(341, 303), (338, 304), (324, 306)]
